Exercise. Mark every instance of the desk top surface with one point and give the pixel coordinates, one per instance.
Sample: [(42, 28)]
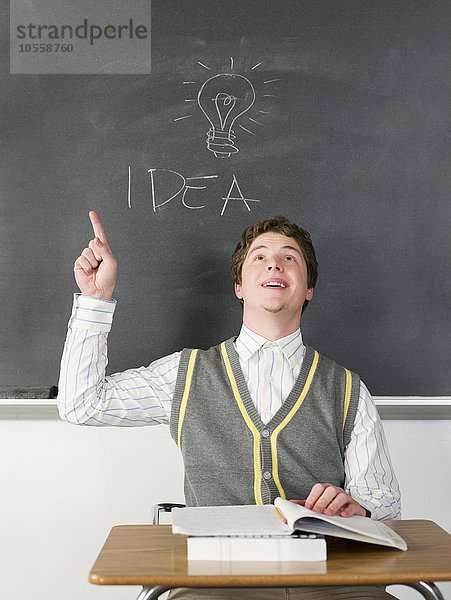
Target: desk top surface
[(151, 555)]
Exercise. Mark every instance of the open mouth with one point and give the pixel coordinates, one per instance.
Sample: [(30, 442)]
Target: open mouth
[(274, 284)]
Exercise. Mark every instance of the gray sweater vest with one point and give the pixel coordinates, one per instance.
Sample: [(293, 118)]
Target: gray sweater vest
[(231, 457)]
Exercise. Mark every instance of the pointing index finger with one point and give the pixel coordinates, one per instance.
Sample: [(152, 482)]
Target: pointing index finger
[(97, 227)]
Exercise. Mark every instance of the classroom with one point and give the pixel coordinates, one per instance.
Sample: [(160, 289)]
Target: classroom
[(336, 115)]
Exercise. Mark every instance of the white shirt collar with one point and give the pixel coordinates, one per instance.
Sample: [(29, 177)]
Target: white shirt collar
[(249, 342)]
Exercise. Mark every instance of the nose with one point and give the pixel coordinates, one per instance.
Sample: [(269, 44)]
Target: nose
[(273, 265)]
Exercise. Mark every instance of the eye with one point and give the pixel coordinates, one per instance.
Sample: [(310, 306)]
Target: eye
[(289, 257), (259, 257)]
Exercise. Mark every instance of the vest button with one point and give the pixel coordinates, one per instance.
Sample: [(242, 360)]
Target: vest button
[(265, 433), (267, 475)]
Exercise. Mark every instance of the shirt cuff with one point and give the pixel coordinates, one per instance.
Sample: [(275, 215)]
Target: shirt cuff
[(92, 314)]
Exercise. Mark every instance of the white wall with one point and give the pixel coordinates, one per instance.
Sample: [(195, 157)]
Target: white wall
[(63, 487)]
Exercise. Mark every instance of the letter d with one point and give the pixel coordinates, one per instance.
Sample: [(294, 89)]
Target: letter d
[(84, 29)]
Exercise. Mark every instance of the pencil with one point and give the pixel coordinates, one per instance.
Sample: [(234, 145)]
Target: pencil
[(281, 515)]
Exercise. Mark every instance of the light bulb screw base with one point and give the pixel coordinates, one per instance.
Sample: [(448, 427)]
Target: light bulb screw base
[(221, 142)]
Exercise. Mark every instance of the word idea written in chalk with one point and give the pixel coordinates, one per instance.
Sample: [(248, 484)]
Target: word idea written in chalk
[(167, 185)]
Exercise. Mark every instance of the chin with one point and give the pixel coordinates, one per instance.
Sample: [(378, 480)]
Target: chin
[(273, 309)]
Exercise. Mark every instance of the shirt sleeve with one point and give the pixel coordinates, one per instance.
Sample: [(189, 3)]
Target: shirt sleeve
[(86, 396), (370, 478)]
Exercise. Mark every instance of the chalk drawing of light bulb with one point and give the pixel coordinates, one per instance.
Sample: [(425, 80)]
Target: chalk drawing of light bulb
[(223, 98)]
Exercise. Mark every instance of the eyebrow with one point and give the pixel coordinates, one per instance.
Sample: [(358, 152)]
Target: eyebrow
[(283, 248)]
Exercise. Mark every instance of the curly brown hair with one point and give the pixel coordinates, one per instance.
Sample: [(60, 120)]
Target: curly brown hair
[(276, 224)]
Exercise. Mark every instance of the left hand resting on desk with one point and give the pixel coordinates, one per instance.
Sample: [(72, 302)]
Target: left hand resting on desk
[(331, 500)]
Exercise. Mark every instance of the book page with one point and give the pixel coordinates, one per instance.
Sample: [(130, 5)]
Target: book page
[(229, 520), (358, 528)]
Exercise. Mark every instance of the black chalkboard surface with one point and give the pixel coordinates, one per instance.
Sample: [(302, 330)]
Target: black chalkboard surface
[(344, 134)]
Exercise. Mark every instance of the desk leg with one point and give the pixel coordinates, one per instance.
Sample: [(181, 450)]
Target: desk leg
[(428, 590), (152, 593)]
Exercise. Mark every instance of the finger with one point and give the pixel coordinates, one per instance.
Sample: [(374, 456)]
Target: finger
[(91, 257), (83, 264), (325, 499), (314, 494), (98, 249), (349, 511), (354, 508), (301, 502), (341, 501), (97, 227), (103, 254)]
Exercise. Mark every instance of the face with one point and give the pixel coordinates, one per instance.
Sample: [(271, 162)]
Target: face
[(274, 276)]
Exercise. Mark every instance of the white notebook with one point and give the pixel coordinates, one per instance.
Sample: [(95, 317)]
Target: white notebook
[(305, 547)]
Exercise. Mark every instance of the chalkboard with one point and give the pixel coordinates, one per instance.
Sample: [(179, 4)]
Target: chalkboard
[(345, 134)]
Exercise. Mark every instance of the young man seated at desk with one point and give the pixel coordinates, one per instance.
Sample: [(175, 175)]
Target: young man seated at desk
[(256, 417)]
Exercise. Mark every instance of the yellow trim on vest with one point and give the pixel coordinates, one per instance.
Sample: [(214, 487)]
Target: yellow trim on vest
[(184, 401), (278, 429), (247, 419), (347, 395)]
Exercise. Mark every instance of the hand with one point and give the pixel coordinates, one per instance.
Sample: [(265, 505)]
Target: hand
[(331, 500), (96, 268)]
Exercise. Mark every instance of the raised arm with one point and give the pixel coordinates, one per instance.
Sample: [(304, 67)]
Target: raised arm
[(86, 395), (96, 268)]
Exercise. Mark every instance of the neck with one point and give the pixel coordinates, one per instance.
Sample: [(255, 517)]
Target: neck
[(273, 326)]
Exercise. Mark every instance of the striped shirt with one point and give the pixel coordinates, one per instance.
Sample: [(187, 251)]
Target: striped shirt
[(143, 396)]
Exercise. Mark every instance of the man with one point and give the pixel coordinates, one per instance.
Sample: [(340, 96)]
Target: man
[(256, 417)]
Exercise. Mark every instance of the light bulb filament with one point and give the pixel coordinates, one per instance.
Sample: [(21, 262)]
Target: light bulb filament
[(224, 105)]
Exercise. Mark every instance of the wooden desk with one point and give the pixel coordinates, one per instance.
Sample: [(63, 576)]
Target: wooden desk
[(151, 556)]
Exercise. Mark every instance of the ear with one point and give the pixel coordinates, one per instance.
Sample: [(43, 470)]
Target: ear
[(238, 293), (309, 295)]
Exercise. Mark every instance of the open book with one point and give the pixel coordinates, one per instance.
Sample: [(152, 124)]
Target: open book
[(282, 518)]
